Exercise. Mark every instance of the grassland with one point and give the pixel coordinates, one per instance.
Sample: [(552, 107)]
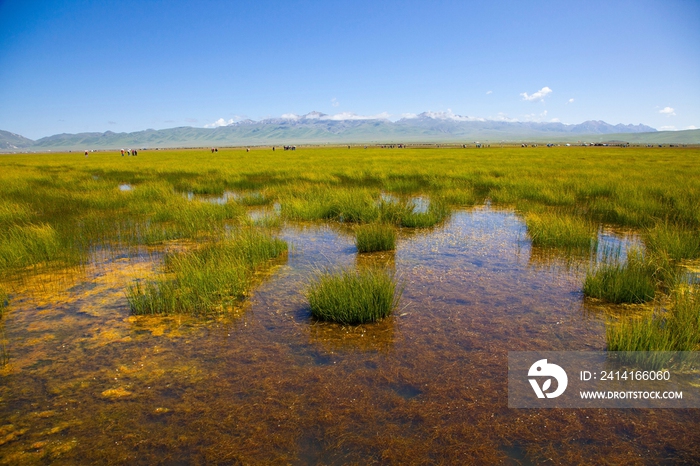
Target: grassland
[(56, 208)]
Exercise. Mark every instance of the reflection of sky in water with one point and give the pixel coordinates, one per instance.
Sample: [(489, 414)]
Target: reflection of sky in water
[(268, 384), (616, 243)]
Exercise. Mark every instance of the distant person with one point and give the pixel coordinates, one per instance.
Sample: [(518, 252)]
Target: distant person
[(273, 148), (122, 152), (86, 153)]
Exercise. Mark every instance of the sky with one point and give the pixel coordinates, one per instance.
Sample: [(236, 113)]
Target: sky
[(82, 66)]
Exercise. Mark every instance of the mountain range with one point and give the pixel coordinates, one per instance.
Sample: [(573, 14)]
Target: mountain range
[(315, 127)]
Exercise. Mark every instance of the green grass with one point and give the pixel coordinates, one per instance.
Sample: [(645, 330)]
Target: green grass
[(677, 329), (375, 237), (206, 280), (254, 199), (22, 245), (353, 296), (551, 229), (676, 242), (436, 212), (632, 281)]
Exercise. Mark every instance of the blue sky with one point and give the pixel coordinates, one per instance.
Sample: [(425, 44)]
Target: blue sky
[(76, 66)]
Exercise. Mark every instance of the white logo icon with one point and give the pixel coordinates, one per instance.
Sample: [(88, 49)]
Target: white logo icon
[(542, 369)]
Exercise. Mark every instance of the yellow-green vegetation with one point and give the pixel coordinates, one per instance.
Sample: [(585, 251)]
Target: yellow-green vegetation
[(254, 199), (353, 296), (206, 280), (631, 281), (549, 229), (375, 237), (677, 329), (678, 243)]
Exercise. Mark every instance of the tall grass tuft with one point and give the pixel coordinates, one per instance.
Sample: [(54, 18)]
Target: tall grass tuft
[(675, 330), (375, 237), (678, 243), (630, 282), (206, 280), (562, 231), (23, 245), (353, 296)]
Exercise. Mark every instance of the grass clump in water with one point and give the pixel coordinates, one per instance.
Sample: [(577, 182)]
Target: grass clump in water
[(375, 237), (630, 282), (207, 280), (353, 297), (674, 330), (561, 231)]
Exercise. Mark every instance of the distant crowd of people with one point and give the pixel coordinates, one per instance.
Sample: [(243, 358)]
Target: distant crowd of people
[(130, 152)]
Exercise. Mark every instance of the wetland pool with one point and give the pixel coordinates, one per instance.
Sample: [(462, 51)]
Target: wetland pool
[(83, 381)]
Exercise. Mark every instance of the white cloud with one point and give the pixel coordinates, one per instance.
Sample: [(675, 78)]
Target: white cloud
[(555, 120), (668, 111), (449, 115), (219, 122), (334, 102), (537, 96), (489, 92), (352, 116), (543, 114), (668, 128), (503, 117), (409, 115), (337, 117), (571, 101), (691, 127)]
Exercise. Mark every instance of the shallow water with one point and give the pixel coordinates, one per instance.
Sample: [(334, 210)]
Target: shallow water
[(86, 382)]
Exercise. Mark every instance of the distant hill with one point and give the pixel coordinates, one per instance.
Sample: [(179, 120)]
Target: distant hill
[(317, 127), (11, 141)]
